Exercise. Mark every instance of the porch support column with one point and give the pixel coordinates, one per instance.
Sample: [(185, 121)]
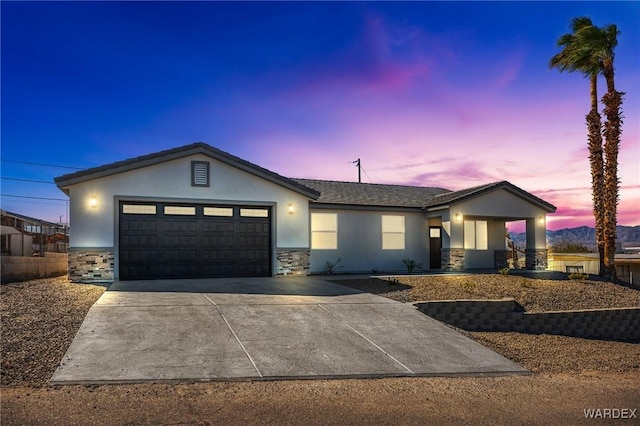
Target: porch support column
[(452, 254), (536, 252)]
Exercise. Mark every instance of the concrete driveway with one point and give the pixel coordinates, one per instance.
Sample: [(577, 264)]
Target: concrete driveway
[(262, 328)]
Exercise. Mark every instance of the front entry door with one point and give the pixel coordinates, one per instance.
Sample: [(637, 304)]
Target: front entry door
[(435, 244)]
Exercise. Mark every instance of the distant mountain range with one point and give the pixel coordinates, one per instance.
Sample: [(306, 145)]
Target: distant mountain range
[(627, 235)]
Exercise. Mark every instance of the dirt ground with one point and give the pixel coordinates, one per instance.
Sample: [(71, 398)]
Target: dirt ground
[(40, 318)]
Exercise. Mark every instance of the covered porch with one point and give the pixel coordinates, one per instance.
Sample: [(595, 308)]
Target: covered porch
[(469, 231)]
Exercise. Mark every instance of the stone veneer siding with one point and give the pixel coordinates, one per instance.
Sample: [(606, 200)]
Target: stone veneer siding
[(507, 315), (536, 258), (293, 261), (91, 265), (452, 259), (500, 259)]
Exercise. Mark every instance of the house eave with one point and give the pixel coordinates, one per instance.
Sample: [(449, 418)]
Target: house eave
[(66, 181)]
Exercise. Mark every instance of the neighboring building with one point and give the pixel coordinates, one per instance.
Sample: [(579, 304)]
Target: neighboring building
[(196, 211), (25, 236), (627, 265)]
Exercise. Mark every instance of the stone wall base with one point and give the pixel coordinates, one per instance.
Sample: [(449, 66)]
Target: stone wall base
[(452, 259), (91, 265), (293, 261), (500, 259), (536, 258)]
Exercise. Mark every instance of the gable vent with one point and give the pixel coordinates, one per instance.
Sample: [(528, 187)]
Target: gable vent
[(199, 173)]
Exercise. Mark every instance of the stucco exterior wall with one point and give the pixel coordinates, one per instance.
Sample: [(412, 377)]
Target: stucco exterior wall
[(499, 203), (486, 258), (95, 226), (360, 242)]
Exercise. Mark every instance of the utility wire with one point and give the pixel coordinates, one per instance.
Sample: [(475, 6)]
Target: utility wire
[(41, 164), (33, 198), (365, 172), (28, 180)]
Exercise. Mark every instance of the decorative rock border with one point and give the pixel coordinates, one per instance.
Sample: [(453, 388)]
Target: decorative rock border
[(508, 315)]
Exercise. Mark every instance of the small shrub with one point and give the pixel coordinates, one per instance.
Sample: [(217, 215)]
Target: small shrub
[(411, 264), (504, 271), (468, 285), (524, 283), (578, 276), (330, 267)]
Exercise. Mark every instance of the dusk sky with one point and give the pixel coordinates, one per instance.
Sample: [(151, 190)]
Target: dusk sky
[(447, 94)]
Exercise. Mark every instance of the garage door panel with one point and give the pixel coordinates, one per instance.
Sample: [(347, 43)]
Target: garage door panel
[(159, 245)]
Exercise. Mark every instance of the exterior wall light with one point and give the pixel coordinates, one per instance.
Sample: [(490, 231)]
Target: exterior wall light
[(93, 202), (291, 209), (458, 217), (541, 220)]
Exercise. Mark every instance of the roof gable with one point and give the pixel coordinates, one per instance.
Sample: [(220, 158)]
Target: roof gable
[(65, 181), (476, 191)]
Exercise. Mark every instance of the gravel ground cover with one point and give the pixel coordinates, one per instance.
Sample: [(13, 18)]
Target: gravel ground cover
[(536, 295), (41, 317), (539, 353)]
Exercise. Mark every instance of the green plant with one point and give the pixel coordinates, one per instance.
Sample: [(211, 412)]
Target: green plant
[(411, 264), (330, 267), (504, 271), (468, 285), (578, 276), (524, 283)]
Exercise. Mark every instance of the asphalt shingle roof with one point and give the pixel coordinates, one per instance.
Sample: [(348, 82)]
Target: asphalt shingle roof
[(369, 194), (321, 191)]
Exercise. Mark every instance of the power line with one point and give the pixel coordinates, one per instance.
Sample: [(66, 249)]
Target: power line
[(41, 164), (28, 180), (367, 174), (33, 198)]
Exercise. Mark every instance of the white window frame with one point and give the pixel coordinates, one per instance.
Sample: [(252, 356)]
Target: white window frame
[(324, 231), (393, 234), (476, 235)]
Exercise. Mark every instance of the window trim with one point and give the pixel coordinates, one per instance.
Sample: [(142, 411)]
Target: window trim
[(471, 232), (325, 231), (403, 233), (207, 171)]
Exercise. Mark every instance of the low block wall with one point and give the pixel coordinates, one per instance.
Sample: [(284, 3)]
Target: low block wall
[(23, 268), (508, 315)]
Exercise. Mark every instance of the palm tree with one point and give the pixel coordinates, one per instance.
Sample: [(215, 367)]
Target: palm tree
[(576, 57), (602, 42), (590, 49)]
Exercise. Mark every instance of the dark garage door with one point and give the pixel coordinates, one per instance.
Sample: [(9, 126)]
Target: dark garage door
[(168, 240)]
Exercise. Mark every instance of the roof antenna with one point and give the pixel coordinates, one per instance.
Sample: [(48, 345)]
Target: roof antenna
[(357, 163)]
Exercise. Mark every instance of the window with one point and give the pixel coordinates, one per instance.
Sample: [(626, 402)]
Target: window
[(324, 231), (392, 232), (179, 210), (476, 235), (138, 209), (254, 212), (218, 211), (200, 173)]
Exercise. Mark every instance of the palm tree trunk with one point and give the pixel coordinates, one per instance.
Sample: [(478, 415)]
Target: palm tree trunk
[(594, 126), (612, 101)]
